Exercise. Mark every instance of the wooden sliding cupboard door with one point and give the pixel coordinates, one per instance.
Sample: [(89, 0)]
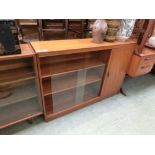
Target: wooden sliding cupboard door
[(116, 70)]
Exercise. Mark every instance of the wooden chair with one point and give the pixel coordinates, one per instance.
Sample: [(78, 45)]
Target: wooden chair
[(143, 58), (76, 26), (51, 25), (26, 24), (144, 29)]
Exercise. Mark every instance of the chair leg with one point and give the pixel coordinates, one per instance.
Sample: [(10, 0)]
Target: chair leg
[(40, 29), (82, 28), (66, 28), (122, 92)]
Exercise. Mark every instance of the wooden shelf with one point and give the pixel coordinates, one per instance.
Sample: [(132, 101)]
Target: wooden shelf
[(18, 94), (26, 51), (19, 112), (59, 47), (69, 66), (70, 81), (16, 75), (70, 98)]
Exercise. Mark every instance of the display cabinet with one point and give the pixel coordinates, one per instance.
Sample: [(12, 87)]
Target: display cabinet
[(75, 73), (19, 87)]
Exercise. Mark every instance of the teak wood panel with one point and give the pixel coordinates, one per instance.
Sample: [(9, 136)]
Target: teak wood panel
[(141, 64), (116, 70), (26, 51), (59, 47), (71, 66)]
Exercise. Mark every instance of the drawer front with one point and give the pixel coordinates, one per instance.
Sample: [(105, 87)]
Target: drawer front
[(148, 59), (145, 68)]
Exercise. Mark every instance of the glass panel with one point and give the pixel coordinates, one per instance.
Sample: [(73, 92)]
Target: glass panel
[(18, 111), (72, 79), (18, 91)]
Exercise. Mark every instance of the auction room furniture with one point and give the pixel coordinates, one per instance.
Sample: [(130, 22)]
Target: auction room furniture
[(29, 24), (143, 58), (19, 87), (75, 73), (51, 25), (77, 26)]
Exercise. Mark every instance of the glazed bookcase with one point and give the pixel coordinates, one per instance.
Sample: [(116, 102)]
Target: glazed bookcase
[(19, 88), (75, 73)]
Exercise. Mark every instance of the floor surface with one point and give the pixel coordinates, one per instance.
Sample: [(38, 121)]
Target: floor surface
[(131, 114)]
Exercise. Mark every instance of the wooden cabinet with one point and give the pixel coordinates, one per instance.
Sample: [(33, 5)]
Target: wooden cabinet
[(75, 73), (19, 87), (144, 58), (142, 63)]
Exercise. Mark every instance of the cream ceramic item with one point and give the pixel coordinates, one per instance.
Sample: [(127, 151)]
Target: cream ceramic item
[(99, 30), (151, 41), (125, 30)]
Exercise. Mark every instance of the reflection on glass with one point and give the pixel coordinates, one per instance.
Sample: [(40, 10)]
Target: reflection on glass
[(18, 91), (70, 80)]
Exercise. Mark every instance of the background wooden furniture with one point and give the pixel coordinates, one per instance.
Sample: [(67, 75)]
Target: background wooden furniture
[(27, 26), (19, 87), (142, 63), (54, 29), (144, 58), (88, 25), (52, 25), (77, 26), (78, 72), (81, 27)]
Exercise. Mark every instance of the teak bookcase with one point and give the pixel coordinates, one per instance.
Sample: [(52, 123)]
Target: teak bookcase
[(75, 73), (20, 97)]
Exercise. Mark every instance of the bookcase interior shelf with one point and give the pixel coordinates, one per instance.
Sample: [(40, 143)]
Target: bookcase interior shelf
[(71, 80), (64, 100), (16, 75), (19, 92), (16, 71), (66, 64)]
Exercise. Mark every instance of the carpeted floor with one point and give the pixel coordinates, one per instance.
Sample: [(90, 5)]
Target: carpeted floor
[(131, 114)]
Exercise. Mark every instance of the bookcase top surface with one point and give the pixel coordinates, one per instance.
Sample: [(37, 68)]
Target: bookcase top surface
[(57, 47), (26, 51)]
